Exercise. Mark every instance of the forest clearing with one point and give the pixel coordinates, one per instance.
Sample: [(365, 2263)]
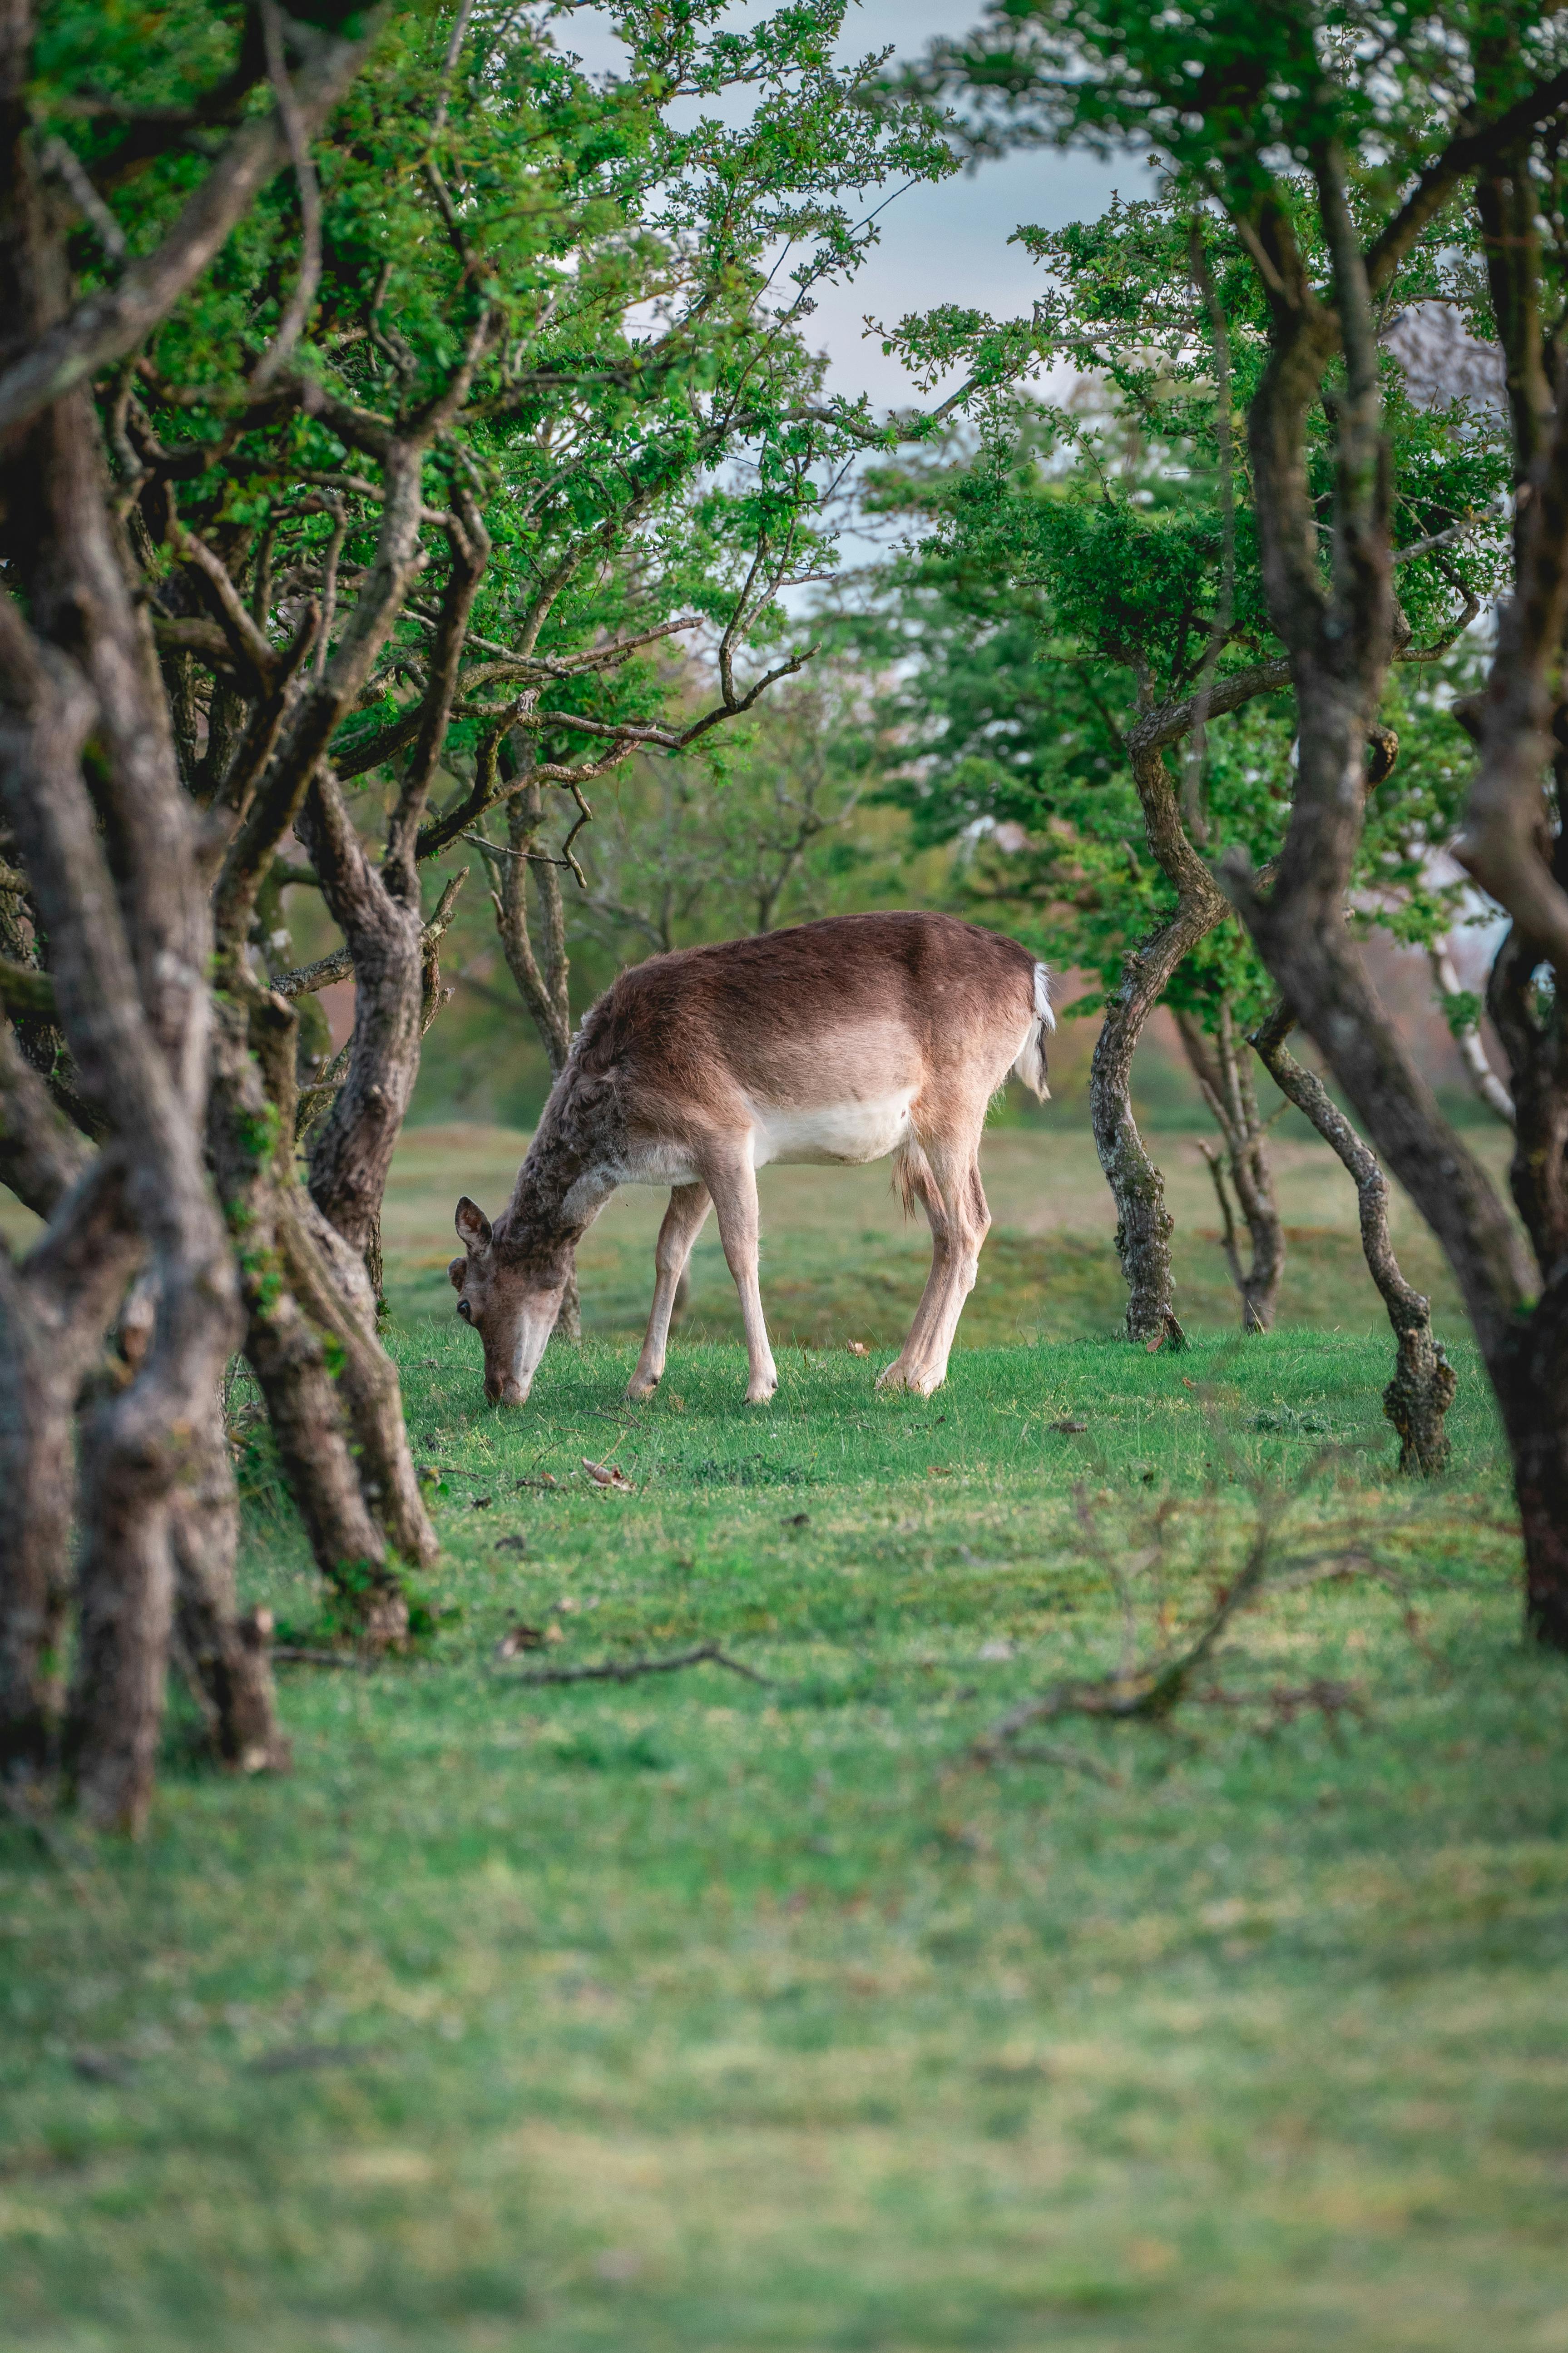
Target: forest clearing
[(783, 1176)]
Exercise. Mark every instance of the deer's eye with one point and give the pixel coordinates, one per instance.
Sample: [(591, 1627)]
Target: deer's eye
[(464, 1311)]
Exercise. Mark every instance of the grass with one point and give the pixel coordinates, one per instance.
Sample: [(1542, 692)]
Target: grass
[(699, 2014)]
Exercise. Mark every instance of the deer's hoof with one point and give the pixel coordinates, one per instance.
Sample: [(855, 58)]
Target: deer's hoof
[(761, 1396), (917, 1381), (636, 1389)]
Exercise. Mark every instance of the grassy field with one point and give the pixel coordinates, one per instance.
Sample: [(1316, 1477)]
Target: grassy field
[(704, 2013)]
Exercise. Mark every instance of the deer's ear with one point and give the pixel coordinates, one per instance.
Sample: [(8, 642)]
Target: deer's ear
[(456, 1268), (473, 1225)]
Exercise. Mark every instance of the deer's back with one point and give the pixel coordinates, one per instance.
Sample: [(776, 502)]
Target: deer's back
[(855, 1011)]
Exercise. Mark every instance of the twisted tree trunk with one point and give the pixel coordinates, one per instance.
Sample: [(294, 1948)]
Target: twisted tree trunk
[(252, 1132), (1143, 1223), (1339, 635), (1226, 1087), (1423, 1383)]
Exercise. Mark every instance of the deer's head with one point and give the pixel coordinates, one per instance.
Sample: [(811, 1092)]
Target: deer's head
[(510, 1296)]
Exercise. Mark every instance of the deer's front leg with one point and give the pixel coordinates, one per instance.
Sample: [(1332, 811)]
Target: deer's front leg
[(733, 1181), (683, 1221)]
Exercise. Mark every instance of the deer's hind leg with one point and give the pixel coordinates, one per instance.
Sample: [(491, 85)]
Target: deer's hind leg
[(683, 1221), (942, 1172), (732, 1178)]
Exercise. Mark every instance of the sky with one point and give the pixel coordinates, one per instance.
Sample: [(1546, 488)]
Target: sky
[(943, 243)]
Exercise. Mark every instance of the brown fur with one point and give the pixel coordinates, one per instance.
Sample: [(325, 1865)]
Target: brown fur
[(803, 1044)]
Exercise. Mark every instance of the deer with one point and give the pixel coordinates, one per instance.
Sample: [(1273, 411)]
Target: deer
[(837, 1041)]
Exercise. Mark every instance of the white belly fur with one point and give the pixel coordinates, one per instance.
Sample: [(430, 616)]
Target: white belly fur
[(845, 1131), (834, 1132)]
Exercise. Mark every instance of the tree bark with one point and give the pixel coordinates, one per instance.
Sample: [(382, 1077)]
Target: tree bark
[(1484, 1082), (1531, 1375), (1419, 1397), (251, 1139), (1227, 1090), (542, 980), (379, 911), (54, 1310), (353, 1150), (1143, 1224), (226, 1654), (110, 851)]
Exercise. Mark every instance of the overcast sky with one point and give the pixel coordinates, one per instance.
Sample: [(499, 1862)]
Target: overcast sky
[(944, 244)]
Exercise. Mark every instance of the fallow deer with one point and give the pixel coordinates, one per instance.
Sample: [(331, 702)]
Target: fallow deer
[(837, 1041)]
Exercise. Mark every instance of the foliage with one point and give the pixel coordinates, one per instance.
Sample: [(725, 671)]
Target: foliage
[(764, 835), (1088, 559), (582, 276)]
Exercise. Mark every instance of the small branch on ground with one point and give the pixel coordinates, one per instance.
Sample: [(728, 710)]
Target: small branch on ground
[(294, 1654), (625, 1670)]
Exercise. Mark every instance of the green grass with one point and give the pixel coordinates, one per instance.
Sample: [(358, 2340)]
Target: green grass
[(698, 2016)]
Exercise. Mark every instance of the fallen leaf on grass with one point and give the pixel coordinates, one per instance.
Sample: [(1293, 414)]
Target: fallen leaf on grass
[(1187, 1384), (857, 1347), (1071, 1429), (519, 1638), (511, 1544), (481, 1502), (796, 1519), (546, 1479), (609, 1475), (937, 1471)]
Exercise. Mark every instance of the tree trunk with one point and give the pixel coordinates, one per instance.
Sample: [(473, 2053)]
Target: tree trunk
[(251, 1142), (1484, 1082), (225, 1655), (1227, 1090), (1339, 631), (54, 1308), (353, 1149), (543, 985), (334, 1289), (1532, 1381), (125, 1597), (1143, 1221), (37, 1476), (1423, 1383), (1143, 1224)]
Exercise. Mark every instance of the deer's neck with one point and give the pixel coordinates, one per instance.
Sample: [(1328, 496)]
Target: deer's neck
[(568, 1173)]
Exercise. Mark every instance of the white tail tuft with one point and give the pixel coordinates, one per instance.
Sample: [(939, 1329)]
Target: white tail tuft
[(1030, 1065)]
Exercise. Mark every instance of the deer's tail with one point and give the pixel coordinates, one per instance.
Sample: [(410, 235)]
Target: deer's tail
[(1030, 1065)]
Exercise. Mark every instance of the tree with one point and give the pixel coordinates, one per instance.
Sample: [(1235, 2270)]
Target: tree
[(110, 874), (1460, 128), (1125, 521), (359, 477)]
